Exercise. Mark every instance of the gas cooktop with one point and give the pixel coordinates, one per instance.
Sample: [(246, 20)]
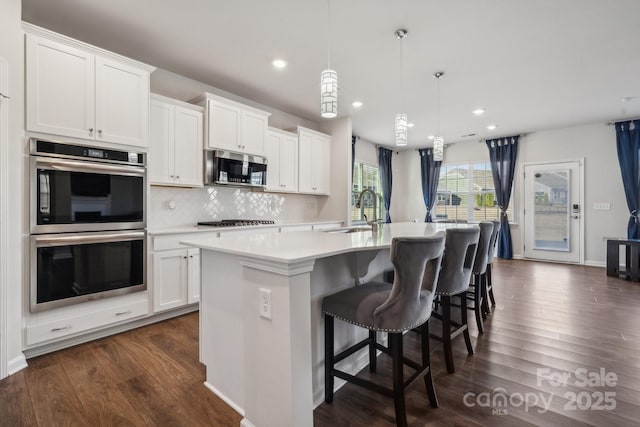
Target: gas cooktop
[(236, 222)]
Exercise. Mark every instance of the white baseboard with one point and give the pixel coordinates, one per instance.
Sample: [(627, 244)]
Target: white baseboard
[(229, 402), (595, 263), (16, 364), (246, 423)]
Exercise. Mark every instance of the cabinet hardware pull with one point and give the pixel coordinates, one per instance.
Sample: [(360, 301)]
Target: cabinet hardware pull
[(4, 96), (190, 256), (122, 313), (185, 257), (90, 130), (100, 131), (177, 176), (61, 329)]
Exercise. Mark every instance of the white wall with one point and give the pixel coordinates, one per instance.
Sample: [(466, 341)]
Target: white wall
[(596, 143), (337, 206), (367, 152), (12, 51)]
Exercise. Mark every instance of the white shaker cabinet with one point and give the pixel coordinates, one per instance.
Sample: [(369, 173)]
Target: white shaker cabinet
[(233, 126), (282, 156), (79, 91), (175, 145), (314, 162), (176, 278)]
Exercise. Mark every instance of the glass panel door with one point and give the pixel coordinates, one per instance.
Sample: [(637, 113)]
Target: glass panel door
[(551, 210)]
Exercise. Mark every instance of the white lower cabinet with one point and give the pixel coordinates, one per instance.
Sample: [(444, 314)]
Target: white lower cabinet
[(176, 278)]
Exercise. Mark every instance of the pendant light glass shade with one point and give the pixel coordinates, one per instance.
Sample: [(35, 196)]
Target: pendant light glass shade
[(401, 129), (329, 94), (438, 141), (401, 118), (438, 148)]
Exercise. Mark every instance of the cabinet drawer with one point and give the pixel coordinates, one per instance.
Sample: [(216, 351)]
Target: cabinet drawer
[(75, 324)]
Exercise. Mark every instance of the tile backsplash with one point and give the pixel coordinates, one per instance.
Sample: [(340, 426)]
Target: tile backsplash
[(179, 207)]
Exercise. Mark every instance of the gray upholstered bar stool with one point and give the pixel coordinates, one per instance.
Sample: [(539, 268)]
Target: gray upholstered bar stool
[(455, 274), (392, 308), (488, 295), (479, 270)]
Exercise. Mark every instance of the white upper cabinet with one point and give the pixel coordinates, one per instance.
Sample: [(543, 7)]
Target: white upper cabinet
[(79, 91), (282, 157), (233, 126), (175, 146), (314, 162)]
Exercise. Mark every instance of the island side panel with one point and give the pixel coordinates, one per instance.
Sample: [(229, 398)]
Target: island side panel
[(278, 387), (222, 326)]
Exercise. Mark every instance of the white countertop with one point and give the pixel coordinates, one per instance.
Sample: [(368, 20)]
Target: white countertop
[(201, 228), (308, 245)]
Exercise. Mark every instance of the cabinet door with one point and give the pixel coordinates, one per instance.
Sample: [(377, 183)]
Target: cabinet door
[(188, 147), (321, 154), (170, 275), (305, 166), (253, 132), (272, 151), (160, 158), (194, 276), (224, 126), (60, 89), (289, 163), (122, 103)]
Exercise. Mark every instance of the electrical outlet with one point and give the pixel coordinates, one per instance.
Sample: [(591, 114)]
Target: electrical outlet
[(265, 303)]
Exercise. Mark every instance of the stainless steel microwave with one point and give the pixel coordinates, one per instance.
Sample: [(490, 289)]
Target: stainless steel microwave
[(223, 167)]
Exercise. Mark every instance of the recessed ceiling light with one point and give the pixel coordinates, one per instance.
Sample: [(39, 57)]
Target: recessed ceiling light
[(430, 137), (492, 127), (478, 111), (411, 125), (628, 98), (356, 104), (279, 63)]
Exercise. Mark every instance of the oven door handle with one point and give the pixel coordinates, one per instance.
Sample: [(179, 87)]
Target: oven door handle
[(86, 238), (75, 166)]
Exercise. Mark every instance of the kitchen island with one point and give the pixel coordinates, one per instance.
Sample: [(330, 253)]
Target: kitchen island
[(261, 328)]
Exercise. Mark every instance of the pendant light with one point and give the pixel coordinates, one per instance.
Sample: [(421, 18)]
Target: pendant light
[(401, 118), (438, 141), (328, 80)]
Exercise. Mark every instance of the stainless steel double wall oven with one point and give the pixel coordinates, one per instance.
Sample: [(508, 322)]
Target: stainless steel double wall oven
[(87, 219)]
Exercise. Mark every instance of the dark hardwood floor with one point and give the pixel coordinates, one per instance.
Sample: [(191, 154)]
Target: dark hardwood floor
[(567, 320)]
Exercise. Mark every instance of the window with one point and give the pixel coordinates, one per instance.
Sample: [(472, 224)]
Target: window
[(466, 193), (366, 177)]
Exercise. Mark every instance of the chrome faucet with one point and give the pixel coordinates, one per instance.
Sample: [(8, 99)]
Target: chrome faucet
[(374, 223)]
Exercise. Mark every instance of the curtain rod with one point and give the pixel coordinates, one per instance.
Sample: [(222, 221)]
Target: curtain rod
[(613, 122), (498, 137)]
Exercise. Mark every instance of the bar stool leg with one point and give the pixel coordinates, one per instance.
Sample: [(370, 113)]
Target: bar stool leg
[(490, 285), (464, 321), (426, 361), (446, 333), (328, 358), (395, 340), (477, 303), (372, 351)]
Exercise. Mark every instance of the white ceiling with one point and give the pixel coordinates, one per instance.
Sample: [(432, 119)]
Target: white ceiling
[(532, 64)]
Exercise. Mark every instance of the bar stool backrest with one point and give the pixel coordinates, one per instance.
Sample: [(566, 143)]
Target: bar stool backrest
[(493, 241), (482, 254), (416, 261), (459, 253)]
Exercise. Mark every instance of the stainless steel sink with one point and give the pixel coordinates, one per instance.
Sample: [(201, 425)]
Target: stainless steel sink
[(354, 229)]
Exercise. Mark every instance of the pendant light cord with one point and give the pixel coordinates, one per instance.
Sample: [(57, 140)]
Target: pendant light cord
[(401, 77), (328, 34), (438, 108)]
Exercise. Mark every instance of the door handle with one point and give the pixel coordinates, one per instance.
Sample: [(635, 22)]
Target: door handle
[(576, 216)]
